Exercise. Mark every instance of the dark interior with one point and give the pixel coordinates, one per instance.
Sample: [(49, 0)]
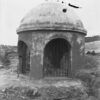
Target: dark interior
[(57, 57), (24, 57)]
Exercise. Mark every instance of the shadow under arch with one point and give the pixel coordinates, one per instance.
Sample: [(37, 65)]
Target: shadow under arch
[(24, 57), (56, 60)]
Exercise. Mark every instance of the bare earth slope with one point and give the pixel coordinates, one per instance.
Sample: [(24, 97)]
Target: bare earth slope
[(90, 46)]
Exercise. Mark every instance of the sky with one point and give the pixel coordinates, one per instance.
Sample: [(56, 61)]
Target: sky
[(12, 11)]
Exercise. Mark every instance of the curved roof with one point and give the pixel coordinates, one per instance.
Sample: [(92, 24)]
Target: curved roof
[(51, 16)]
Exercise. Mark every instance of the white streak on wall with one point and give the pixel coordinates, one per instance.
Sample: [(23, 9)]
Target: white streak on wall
[(69, 36), (79, 40)]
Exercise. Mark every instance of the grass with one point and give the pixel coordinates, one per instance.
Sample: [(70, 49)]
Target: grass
[(90, 76)]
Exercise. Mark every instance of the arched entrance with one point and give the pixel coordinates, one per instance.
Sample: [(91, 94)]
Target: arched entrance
[(56, 61), (24, 58)]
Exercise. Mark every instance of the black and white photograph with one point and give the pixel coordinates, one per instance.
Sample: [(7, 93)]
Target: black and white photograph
[(49, 50)]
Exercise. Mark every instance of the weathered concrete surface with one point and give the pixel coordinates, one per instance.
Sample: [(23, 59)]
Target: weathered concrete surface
[(42, 25), (45, 16), (37, 41), (36, 69)]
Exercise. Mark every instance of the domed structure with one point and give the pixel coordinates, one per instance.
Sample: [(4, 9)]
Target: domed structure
[(52, 16), (51, 41)]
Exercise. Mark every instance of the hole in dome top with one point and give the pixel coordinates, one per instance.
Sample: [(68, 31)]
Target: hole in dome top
[(62, 1), (64, 10)]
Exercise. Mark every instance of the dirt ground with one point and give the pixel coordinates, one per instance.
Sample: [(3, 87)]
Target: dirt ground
[(13, 87), (22, 88)]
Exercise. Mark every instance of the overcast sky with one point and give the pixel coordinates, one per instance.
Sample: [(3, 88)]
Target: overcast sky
[(12, 11)]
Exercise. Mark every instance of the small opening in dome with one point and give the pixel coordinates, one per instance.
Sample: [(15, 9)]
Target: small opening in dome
[(64, 10), (62, 1)]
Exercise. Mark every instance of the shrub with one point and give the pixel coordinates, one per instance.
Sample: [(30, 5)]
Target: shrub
[(93, 52), (88, 52), (91, 80), (96, 87), (90, 62), (5, 59), (64, 93)]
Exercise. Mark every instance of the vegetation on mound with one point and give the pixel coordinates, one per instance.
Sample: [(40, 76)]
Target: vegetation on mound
[(64, 93), (90, 77), (90, 63), (4, 59), (47, 93), (44, 93), (91, 80), (6, 53), (18, 93)]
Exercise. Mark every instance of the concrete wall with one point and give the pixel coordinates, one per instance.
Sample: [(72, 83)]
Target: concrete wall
[(26, 37), (78, 52), (37, 40)]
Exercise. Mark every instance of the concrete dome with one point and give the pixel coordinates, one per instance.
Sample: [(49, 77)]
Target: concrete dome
[(51, 16)]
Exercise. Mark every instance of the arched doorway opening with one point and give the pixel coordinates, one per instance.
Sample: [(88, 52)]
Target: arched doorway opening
[(24, 58), (56, 61)]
